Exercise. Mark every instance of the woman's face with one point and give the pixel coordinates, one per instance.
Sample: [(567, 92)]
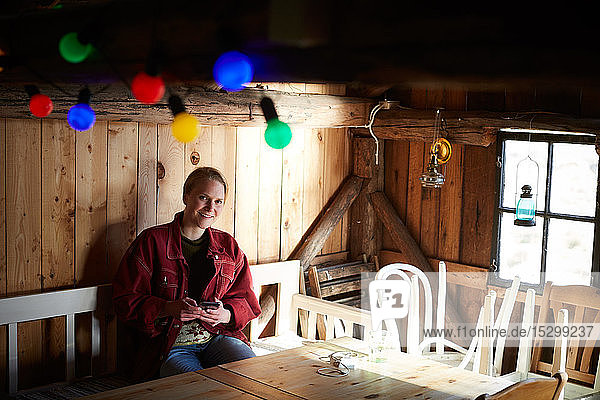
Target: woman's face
[(204, 203)]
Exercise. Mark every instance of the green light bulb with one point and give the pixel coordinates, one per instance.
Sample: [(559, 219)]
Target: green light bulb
[(72, 50), (278, 134)]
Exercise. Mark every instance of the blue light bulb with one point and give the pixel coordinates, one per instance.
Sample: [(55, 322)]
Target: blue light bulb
[(81, 117), (232, 70)]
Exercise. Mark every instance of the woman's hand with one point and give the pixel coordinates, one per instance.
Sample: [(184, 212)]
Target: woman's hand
[(183, 309), (216, 316)]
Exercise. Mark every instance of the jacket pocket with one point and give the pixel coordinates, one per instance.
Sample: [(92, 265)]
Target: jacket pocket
[(225, 278), (167, 284)]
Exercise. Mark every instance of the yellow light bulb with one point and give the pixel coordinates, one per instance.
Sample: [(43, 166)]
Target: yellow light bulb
[(184, 127)]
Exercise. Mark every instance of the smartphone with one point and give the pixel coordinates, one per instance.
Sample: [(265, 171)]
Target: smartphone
[(209, 305)]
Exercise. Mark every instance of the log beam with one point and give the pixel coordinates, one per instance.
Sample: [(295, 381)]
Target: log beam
[(365, 229), (477, 128), (209, 106), (399, 233), (309, 247)]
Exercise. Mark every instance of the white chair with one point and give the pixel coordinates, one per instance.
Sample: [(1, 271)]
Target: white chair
[(414, 343), (413, 324), (389, 300), (485, 354)]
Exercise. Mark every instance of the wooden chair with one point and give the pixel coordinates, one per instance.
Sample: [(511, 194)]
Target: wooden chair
[(531, 389), (574, 305), (285, 276), (338, 282), (525, 342)]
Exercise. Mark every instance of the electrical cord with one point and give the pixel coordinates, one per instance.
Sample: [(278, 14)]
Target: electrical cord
[(337, 368)]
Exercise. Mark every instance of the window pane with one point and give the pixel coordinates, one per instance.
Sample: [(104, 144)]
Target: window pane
[(515, 151), (520, 249), (569, 257), (574, 179)]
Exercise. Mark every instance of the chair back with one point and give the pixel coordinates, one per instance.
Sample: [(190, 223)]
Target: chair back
[(580, 306), (531, 389), (416, 279), (389, 299)]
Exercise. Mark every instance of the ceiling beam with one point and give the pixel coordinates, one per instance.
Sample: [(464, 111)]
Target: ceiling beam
[(210, 106), (476, 128)]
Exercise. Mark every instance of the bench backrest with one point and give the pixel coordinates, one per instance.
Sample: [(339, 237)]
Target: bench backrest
[(67, 303)]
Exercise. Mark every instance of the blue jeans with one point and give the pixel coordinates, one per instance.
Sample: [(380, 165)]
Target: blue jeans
[(219, 350)]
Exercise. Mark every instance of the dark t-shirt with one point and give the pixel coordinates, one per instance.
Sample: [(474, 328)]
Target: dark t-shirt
[(201, 271)]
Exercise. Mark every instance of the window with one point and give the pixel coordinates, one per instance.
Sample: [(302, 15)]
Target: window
[(564, 245)]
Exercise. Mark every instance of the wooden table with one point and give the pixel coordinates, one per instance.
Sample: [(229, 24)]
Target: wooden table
[(292, 374)]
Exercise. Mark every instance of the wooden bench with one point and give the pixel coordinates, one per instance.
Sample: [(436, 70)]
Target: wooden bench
[(62, 303), (97, 300)]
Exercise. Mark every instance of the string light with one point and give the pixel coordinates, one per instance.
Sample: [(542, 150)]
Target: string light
[(148, 86), (278, 134), (147, 89), (233, 70), (72, 49), (81, 116), (40, 105), (184, 126)]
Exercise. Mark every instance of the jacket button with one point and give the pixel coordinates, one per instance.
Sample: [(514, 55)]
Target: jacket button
[(176, 326), (216, 256), (185, 292)]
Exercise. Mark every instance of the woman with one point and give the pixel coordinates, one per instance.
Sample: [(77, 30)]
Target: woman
[(169, 270)]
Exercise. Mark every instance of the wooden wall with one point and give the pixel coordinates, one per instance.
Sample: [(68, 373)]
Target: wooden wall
[(455, 223), (71, 203)]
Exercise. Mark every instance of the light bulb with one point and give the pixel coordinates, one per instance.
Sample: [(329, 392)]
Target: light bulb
[(40, 105), (81, 116), (278, 134), (233, 70), (72, 50), (147, 89), (184, 127)]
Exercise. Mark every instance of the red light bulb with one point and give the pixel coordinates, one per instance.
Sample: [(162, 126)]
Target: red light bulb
[(40, 105), (147, 89)]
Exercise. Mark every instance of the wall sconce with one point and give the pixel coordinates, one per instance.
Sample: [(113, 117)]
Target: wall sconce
[(527, 183)]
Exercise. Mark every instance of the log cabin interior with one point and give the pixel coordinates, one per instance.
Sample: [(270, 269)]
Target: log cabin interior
[(366, 92)]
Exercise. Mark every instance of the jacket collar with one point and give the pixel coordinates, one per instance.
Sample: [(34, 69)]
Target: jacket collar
[(174, 241), (213, 246)]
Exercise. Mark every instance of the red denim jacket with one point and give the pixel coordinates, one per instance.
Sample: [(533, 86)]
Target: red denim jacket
[(154, 271)]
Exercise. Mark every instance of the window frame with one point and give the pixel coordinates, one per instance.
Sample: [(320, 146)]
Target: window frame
[(546, 215)]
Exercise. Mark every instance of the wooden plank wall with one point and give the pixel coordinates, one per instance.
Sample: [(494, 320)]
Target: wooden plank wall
[(455, 223), (93, 192)]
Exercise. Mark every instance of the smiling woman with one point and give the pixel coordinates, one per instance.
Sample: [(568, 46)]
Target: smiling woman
[(166, 275)]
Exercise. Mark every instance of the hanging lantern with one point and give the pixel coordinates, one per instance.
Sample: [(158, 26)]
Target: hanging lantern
[(432, 177), (439, 153), (527, 185)]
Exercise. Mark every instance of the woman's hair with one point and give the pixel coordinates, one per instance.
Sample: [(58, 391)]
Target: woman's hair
[(200, 174)]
